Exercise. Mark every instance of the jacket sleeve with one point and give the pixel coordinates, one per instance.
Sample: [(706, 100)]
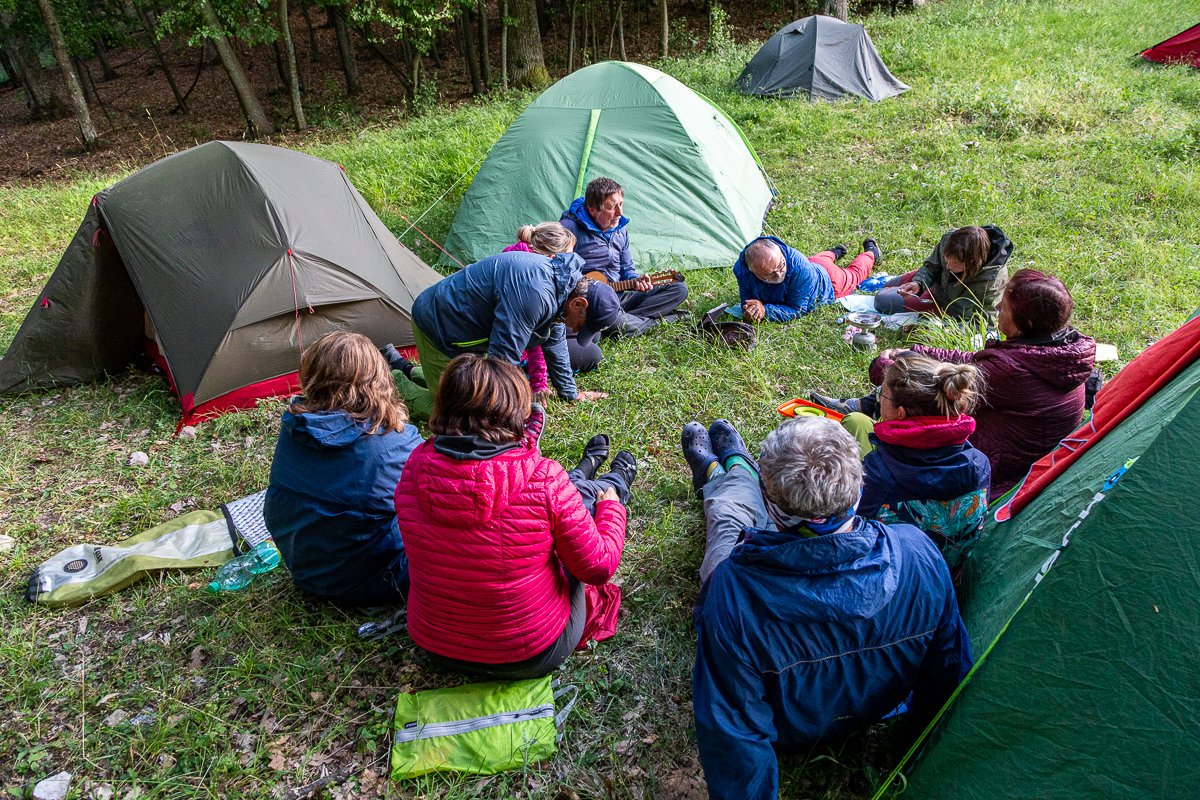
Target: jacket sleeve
[(735, 729), (931, 271), (558, 363), (628, 271), (946, 663), (949, 356), (519, 309), (589, 548), (535, 365), (800, 293)]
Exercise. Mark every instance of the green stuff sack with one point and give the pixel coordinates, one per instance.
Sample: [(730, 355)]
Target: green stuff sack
[(479, 728)]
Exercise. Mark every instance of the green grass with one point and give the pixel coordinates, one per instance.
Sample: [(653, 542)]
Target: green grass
[(1031, 115)]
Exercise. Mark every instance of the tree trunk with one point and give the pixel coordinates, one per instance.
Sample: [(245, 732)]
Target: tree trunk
[(571, 38), (621, 28), (842, 10), (468, 41), (313, 54), (293, 71), (148, 26), (529, 65), (85, 81), (345, 49), (107, 73), (663, 29), (485, 57), (504, 45), (6, 63), (260, 124), (84, 117), (795, 9)]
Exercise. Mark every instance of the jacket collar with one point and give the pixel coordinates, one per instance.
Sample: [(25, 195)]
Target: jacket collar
[(580, 212), (925, 433), (815, 555), (470, 448)]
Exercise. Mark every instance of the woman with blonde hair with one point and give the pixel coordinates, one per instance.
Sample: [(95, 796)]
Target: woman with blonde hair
[(919, 466), (342, 447)]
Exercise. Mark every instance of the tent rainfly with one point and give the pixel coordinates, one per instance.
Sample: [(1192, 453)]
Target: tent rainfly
[(220, 262), (1182, 48), (694, 190), (1084, 609), (821, 58)]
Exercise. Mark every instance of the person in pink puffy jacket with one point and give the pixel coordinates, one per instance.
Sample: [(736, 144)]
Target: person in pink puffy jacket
[(501, 540)]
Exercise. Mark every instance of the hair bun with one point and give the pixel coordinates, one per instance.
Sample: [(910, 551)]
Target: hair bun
[(525, 234)]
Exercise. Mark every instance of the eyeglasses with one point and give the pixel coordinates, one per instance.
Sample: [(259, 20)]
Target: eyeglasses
[(879, 394)]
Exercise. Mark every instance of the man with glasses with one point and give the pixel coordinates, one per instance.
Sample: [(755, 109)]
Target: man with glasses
[(778, 283)]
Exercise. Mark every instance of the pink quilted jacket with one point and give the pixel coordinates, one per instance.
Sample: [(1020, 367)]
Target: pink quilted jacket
[(487, 543)]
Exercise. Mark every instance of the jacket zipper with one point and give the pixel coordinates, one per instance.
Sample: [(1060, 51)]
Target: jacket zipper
[(414, 730)]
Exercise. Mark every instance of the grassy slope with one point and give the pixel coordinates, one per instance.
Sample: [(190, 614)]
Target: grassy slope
[(1032, 115)]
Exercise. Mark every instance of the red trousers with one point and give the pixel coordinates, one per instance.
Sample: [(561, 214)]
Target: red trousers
[(845, 279)]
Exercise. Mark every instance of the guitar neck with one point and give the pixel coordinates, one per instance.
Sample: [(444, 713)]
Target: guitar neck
[(656, 279)]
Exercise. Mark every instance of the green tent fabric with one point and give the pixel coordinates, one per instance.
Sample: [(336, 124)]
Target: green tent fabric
[(1086, 610), (694, 190), (221, 261)]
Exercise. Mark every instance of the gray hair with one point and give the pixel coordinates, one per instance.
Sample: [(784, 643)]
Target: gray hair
[(760, 250), (811, 467)]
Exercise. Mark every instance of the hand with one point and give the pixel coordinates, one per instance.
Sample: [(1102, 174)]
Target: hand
[(890, 353), (591, 396), (643, 284), (754, 311), (608, 494), (912, 287), (543, 398)]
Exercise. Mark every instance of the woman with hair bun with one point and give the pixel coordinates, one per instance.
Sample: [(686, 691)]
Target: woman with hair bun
[(919, 467)]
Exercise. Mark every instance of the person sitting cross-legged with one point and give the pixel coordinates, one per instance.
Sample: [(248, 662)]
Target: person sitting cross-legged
[(812, 622), (777, 283)]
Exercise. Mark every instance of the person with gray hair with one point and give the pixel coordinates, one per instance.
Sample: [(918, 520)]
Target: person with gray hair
[(777, 283), (812, 622)]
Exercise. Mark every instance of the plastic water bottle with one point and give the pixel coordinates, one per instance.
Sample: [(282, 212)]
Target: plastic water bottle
[(240, 572)]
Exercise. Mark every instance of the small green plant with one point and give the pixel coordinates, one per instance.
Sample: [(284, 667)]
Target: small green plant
[(720, 40)]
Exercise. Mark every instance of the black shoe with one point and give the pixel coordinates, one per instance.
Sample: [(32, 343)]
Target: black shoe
[(396, 361), (872, 247), (838, 251), (697, 450), (595, 453), (834, 404), (726, 442), (624, 466)]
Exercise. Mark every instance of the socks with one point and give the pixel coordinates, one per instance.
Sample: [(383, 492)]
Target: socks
[(739, 461), (715, 470)]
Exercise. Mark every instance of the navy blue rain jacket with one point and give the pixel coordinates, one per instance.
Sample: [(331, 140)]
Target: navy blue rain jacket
[(804, 287), (502, 305), (330, 504), (601, 251), (801, 639)]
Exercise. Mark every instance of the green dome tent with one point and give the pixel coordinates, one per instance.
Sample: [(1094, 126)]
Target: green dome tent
[(694, 190), (1084, 610)]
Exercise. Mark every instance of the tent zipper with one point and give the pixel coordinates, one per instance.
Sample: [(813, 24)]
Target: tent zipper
[(431, 730)]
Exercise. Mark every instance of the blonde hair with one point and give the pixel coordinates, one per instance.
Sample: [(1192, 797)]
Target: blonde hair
[(343, 371), (547, 238), (927, 387)]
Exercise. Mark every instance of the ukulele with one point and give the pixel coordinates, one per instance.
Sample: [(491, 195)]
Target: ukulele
[(656, 279)]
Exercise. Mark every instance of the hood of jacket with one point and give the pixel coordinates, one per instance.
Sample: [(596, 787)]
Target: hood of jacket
[(1000, 250), (1063, 360), (925, 433), (466, 491), (578, 212), (323, 429)]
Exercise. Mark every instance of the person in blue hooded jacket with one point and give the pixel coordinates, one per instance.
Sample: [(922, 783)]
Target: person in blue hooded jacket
[(603, 243), (812, 622), (777, 283), (330, 502), (504, 304)]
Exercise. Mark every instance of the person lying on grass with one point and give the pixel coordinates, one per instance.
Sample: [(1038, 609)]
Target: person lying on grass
[(777, 283), (812, 622), (918, 467), (502, 305), (502, 540), (1035, 378), (342, 446), (963, 277)]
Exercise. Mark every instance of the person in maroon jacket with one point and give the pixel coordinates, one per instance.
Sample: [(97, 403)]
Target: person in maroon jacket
[(1035, 378), (509, 554)]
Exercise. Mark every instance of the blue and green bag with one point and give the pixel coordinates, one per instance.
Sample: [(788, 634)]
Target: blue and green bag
[(479, 728)]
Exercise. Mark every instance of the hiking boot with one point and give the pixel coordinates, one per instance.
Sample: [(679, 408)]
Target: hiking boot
[(535, 424), (834, 404), (872, 247), (624, 466), (396, 361), (838, 251), (595, 453), (727, 442), (697, 450)]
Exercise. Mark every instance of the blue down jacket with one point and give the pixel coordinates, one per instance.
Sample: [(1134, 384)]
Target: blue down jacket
[(330, 503), (802, 639), (804, 287), (601, 251), (501, 305)]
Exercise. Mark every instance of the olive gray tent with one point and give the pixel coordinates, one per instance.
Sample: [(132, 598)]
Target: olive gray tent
[(221, 262), (820, 57)]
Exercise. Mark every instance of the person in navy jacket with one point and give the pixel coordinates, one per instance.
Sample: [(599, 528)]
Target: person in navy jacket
[(812, 622), (778, 283)]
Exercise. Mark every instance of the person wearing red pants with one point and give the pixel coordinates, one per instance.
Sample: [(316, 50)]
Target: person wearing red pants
[(778, 283)]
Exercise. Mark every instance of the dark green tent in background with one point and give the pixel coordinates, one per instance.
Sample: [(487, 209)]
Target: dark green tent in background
[(220, 262), (694, 190), (1084, 610)]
